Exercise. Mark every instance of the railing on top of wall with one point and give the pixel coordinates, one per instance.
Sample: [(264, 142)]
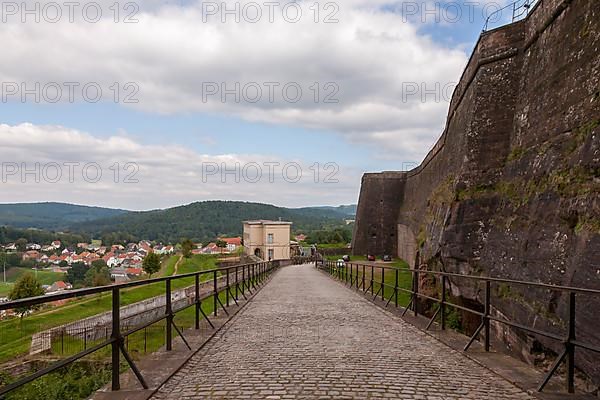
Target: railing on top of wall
[(389, 287), (510, 13), (239, 279)]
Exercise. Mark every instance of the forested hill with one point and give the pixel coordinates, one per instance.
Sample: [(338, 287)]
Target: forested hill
[(204, 221), (51, 216), (346, 211)]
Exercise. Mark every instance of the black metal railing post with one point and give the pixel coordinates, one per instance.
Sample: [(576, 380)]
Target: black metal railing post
[(216, 293), (363, 278), (249, 278), (416, 292), (396, 289), (382, 283), (237, 283), (169, 312), (198, 304), (443, 303), (569, 345), (372, 273), (345, 270), (486, 317), (227, 287), (116, 338), (243, 288)]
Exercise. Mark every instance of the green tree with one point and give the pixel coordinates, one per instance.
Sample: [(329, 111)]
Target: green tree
[(26, 286), (76, 274), (21, 244), (221, 244), (151, 264), (186, 247), (98, 274)]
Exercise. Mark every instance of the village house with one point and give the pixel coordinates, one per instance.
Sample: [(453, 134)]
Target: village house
[(134, 271), (160, 249), (58, 286), (11, 247), (233, 243), (210, 248), (300, 237), (146, 246), (119, 275), (31, 255)]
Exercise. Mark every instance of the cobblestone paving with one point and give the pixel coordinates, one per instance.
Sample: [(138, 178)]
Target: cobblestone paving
[(306, 337)]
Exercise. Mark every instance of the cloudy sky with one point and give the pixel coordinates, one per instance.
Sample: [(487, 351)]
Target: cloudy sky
[(161, 103)]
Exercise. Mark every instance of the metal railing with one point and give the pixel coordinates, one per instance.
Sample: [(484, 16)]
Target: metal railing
[(510, 13), (238, 280), (364, 277)]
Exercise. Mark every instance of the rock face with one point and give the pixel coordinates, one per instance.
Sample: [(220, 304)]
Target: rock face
[(512, 187)]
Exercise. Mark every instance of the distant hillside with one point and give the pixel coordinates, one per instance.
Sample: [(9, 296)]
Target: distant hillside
[(52, 216), (204, 221), (10, 234), (346, 211)]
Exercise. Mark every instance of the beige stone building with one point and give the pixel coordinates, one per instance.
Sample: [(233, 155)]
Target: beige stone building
[(269, 240)]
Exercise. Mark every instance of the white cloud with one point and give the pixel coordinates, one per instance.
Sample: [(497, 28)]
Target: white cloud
[(166, 175), (370, 54)]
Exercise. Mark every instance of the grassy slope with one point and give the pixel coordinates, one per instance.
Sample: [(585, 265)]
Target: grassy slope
[(13, 274), (15, 336)]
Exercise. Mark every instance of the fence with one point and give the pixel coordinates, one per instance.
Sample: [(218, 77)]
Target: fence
[(510, 13), (78, 343), (364, 277)]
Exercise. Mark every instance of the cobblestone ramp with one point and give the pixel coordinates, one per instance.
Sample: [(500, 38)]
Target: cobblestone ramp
[(306, 337)]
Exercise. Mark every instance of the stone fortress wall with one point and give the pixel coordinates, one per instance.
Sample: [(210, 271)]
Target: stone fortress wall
[(511, 187)]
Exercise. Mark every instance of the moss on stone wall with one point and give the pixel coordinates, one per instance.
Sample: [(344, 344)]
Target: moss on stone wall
[(588, 224), (581, 134), (567, 183)]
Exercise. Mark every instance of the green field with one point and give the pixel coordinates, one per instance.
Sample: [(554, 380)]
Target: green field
[(15, 335), (332, 246), (13, 274)]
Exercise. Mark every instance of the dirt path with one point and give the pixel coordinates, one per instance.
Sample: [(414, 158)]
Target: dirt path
[(177, 264)]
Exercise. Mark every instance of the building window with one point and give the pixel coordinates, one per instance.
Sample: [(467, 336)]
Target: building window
[(271, 254), (270, 238)]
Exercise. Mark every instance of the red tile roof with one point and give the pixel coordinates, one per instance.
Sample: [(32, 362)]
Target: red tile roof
[(236, 241)]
